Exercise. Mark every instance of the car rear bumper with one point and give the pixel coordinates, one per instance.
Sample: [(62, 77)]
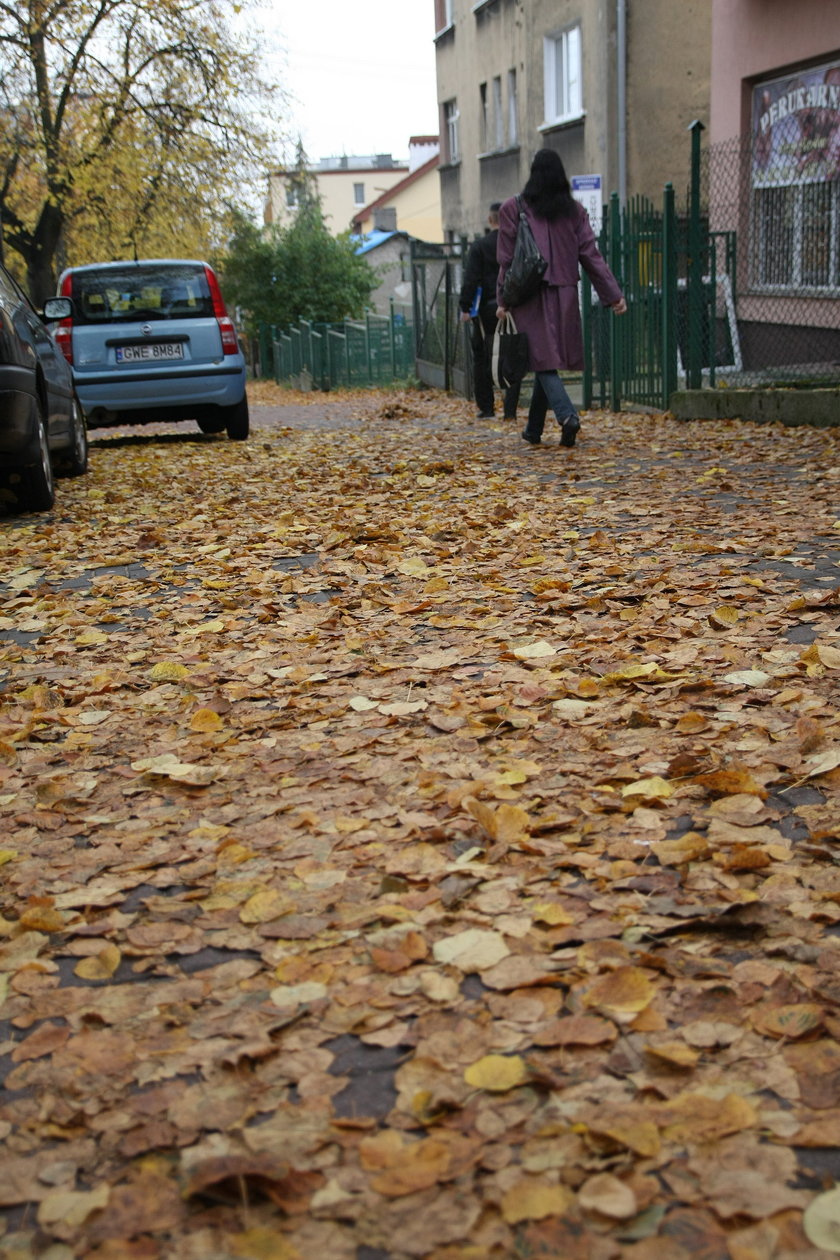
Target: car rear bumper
[(155, 389)]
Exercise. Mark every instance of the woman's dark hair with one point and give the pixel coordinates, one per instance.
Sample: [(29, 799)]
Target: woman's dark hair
[(548, 191)]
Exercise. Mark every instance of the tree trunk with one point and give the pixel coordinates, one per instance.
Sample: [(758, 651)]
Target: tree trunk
[(40, 272)]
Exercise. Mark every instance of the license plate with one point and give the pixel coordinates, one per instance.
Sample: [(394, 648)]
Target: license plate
[(154, 350)]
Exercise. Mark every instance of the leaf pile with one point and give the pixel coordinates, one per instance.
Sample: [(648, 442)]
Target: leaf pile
[(420, 843)]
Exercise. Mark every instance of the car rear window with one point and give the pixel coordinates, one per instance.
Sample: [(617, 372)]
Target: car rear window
[(141, 291)]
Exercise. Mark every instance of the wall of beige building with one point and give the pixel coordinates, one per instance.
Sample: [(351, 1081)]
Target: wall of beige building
[(418, 209), (337, 189), (668, 87)]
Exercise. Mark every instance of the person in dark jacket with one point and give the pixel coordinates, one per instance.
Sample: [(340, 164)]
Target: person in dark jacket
[(480, 272), (551, 319)]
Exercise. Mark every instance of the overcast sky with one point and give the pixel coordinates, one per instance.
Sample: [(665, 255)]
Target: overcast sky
[(361, 81)]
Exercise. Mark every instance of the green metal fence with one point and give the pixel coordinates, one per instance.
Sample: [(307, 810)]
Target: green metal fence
[(363, 353), (739, 286)]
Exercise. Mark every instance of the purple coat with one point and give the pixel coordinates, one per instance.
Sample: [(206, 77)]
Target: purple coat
[(551, 319)]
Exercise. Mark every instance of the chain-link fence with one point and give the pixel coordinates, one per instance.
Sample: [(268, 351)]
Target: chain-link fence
[(774, 221)]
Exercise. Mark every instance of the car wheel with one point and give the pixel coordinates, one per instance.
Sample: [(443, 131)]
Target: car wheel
[(237, 421), (38, 491), (214, 423), (75, 462)]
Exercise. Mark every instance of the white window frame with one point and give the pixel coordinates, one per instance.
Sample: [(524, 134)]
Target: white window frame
[(563, 76), (448, 16), (358, 200), (498, 136), (451, 115), (513, 109), (780, 241)]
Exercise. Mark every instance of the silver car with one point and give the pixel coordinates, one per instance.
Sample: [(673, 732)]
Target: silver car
[(152, 340)]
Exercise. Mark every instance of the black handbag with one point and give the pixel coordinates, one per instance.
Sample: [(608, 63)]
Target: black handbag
[(510, 354), (524, 276)]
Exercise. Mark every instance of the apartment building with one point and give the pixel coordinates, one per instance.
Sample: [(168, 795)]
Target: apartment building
[(612, 85)]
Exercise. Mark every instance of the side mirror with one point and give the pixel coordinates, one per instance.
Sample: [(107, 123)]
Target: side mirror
[(58, 308)]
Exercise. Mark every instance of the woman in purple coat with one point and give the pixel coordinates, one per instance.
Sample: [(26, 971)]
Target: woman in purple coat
[(551, 319)]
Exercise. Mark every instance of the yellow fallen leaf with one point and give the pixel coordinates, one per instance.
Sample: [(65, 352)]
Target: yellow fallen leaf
[(475, 949), (534, 651), (623, 992), (361, 704), (260, 1243), (551, 913), (205, 627), (497, 1073), (7, 855), (821, 1221), (267, 904), (205, 721), (532, 1200), (685, 848), (506, 824), (168, 671), (99, 966), (91, 638), (609, 1196), (655, 788), (168, 765), (724, 617), (72, 1207), (674, 1054)]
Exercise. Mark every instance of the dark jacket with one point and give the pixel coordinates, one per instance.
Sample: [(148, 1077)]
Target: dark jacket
[(481, 269)]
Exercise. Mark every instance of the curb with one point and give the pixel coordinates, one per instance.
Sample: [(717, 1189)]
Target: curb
[(792, 407)]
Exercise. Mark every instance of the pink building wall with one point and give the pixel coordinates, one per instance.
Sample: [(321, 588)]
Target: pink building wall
[(752, 39)]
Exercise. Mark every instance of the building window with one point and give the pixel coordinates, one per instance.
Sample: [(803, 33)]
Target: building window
[(513, 109), (796, 231), (291, 197), (795, 163), (483, 132), (358, 194), (450, 118), (498, 116), (562, 76), (444, 14)]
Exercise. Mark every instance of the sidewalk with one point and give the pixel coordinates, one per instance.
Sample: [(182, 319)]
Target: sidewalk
[(418, 844)]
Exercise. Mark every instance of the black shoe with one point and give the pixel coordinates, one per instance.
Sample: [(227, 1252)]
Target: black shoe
[(511, 418), (533, 441), (485, 415), (571, 427)]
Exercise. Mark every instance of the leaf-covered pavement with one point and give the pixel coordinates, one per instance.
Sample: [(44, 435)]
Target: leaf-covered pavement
[(419, 845)]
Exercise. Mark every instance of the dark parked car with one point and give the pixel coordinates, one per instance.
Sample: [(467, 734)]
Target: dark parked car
[(42, 426), (152, 340)]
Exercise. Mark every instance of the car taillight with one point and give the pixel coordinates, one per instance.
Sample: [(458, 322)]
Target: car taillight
[(64, 332), (230, 342)]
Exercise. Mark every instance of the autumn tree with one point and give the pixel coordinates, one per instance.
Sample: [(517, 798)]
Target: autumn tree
[(283, 274), (127, 124)]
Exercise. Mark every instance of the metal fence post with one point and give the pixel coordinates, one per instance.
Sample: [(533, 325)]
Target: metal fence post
[(669, 296), (614, 324), (694, 270)]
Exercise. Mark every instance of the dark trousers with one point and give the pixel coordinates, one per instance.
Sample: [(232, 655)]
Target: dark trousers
[(549, 391), (483, 330)]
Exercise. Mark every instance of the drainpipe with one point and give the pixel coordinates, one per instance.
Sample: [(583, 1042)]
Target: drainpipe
[(621, 95)]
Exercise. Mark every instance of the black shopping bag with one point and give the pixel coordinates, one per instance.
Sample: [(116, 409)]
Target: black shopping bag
[(510, 354)]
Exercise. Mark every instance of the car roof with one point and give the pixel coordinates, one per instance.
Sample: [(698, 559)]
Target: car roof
[(121, 264)]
